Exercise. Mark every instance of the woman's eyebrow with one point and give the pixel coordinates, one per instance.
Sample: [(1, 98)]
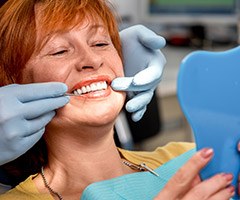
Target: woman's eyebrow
[(97, 28)]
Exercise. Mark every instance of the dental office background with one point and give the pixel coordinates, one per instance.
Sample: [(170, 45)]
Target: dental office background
[(187, 25)]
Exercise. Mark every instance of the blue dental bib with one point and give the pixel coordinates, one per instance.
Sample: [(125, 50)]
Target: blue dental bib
[(136, 186)]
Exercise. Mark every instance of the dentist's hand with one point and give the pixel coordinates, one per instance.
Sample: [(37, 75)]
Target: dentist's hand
[(25, 110), (143, 65)]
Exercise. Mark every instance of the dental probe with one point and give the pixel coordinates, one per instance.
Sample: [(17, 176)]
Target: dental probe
[(71, 94)]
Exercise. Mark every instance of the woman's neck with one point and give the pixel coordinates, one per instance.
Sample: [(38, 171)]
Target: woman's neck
[(79, 159)]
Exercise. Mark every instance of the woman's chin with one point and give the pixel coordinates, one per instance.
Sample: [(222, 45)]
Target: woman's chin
[(92, 113), (100, 121), (100, 116)]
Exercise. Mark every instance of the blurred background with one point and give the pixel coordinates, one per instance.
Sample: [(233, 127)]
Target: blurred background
[(187, 25)]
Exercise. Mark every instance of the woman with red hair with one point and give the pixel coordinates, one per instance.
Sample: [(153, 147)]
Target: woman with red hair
[(143, 66)]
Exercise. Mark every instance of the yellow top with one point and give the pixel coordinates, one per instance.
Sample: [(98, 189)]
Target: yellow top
[(27, 189)]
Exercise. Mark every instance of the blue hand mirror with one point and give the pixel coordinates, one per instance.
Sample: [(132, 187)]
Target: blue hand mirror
[(208, 90)]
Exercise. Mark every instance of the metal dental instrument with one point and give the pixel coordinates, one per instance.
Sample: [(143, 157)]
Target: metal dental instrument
[(71, 94), (149, 169)]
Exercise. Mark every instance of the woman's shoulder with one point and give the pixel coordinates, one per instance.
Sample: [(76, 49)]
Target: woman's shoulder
[(24, 191), (159, 156), (175, 149)]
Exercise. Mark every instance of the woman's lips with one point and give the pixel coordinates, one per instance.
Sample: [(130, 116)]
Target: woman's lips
[(93, 87), (96, 86)]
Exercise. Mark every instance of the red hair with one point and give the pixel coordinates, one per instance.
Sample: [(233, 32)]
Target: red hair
[(18, 28)]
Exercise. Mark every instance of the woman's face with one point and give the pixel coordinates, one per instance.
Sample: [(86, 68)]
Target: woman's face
[(85, 59)]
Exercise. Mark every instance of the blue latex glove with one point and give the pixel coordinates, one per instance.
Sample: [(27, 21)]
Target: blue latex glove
[(143, 65), (25, 110), (208, 92)]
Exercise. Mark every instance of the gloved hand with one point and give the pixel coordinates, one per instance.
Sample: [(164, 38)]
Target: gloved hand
[(25, 110), (143, 65)]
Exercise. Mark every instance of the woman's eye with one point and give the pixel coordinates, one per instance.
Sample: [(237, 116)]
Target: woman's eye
[(58, 53), (101, 44)]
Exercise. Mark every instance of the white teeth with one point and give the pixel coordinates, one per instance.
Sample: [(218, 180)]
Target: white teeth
[(78, 91), (84, 90), (104, 85), (99, 85), (88, 88), (75, 92), (91, 88)]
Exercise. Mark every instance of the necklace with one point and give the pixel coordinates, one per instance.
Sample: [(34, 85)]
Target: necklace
[(48, 186), (140, 167)]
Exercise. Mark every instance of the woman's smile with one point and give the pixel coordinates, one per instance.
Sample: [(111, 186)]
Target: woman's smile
[(94, 87)]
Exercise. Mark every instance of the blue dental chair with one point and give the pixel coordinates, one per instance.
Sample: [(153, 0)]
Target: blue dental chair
[(209, 95)]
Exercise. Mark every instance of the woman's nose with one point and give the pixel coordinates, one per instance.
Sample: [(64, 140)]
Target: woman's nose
[(89, 60)]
